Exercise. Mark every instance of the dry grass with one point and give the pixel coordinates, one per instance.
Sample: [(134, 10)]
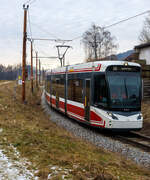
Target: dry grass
[(146, 116), (44, 144)]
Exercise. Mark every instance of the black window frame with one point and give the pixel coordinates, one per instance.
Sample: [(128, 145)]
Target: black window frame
[(72, 91), (102, 74), (56, 82), (140, 92)]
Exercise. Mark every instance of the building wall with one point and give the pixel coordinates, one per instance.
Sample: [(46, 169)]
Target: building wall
[(145, 54)]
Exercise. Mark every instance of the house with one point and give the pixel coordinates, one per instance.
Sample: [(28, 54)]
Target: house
[(144, 52)]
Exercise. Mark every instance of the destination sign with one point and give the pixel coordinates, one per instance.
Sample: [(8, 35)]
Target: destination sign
[(124, 68)]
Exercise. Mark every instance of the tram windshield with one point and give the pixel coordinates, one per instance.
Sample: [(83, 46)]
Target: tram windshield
[(124, 90), (119, 89)]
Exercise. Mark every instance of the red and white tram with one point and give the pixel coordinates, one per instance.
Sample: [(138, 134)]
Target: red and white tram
[(104, 94)]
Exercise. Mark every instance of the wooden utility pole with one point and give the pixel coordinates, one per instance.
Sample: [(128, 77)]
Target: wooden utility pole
[(36, 69), (39, 71), (31, 73), (24, 51)]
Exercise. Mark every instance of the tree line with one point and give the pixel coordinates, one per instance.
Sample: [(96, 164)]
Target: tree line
[(144, 36), (10, 72)]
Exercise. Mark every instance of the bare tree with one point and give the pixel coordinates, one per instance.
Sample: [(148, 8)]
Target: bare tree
[(145, 33), (98, 43)]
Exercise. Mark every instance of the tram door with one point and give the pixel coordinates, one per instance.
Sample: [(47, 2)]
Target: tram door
[(87, 100)]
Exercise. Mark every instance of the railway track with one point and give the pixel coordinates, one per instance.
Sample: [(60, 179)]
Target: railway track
[(135, 139)]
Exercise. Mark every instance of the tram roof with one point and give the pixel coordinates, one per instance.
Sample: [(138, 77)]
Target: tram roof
[(89, 67)]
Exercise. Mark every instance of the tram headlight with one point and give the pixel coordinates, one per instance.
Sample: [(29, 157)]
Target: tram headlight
[(139, 117), (112, 115), (109, 113)]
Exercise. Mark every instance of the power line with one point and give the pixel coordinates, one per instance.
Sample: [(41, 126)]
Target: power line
[(43, 30), (33, 2), (119, 22), (124, 20), (27, 2), (53, 58), (30, 2), (78, 37), (29, 21)]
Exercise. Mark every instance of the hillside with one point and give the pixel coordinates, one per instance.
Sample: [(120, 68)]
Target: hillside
[(122, 56)]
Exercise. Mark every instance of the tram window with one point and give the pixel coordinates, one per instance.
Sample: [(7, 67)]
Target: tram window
[(100, 91), (75, 89), (47, 83), (53, 86), (60, 88), (48, 86)]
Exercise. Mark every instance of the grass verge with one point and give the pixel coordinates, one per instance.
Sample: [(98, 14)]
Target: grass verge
[(146, 115)]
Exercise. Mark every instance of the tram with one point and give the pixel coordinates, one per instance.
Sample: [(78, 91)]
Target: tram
[(104, 94)]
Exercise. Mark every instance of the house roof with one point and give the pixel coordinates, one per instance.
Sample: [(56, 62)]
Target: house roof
[(141, 46)]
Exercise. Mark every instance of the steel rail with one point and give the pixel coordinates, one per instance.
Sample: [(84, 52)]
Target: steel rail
[(135, 139)]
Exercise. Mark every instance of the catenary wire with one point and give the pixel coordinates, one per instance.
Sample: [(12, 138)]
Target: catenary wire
[(30, 1), (124, 20), (29, 22), (43, 30), (27, 2), (33, 2), (119, 22)]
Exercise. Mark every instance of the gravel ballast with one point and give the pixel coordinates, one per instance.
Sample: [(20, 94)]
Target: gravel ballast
[(137, 155)]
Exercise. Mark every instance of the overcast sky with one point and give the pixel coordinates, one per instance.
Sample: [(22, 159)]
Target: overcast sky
[(66, 19)]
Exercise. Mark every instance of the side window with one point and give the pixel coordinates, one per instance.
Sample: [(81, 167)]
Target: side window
[(57, 82), (48, 83), (71, 92), (53, 85), (75, 89), (100, 90), (58, 87), (61, 87)]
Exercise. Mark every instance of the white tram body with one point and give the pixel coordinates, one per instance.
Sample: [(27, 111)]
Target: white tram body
[(105, 94)]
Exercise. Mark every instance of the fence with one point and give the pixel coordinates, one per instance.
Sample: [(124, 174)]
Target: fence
[(146, 82)]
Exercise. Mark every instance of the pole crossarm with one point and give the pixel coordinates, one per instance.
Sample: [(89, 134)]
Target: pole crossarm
[(47, 39), (42, 57), (61, 46)]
